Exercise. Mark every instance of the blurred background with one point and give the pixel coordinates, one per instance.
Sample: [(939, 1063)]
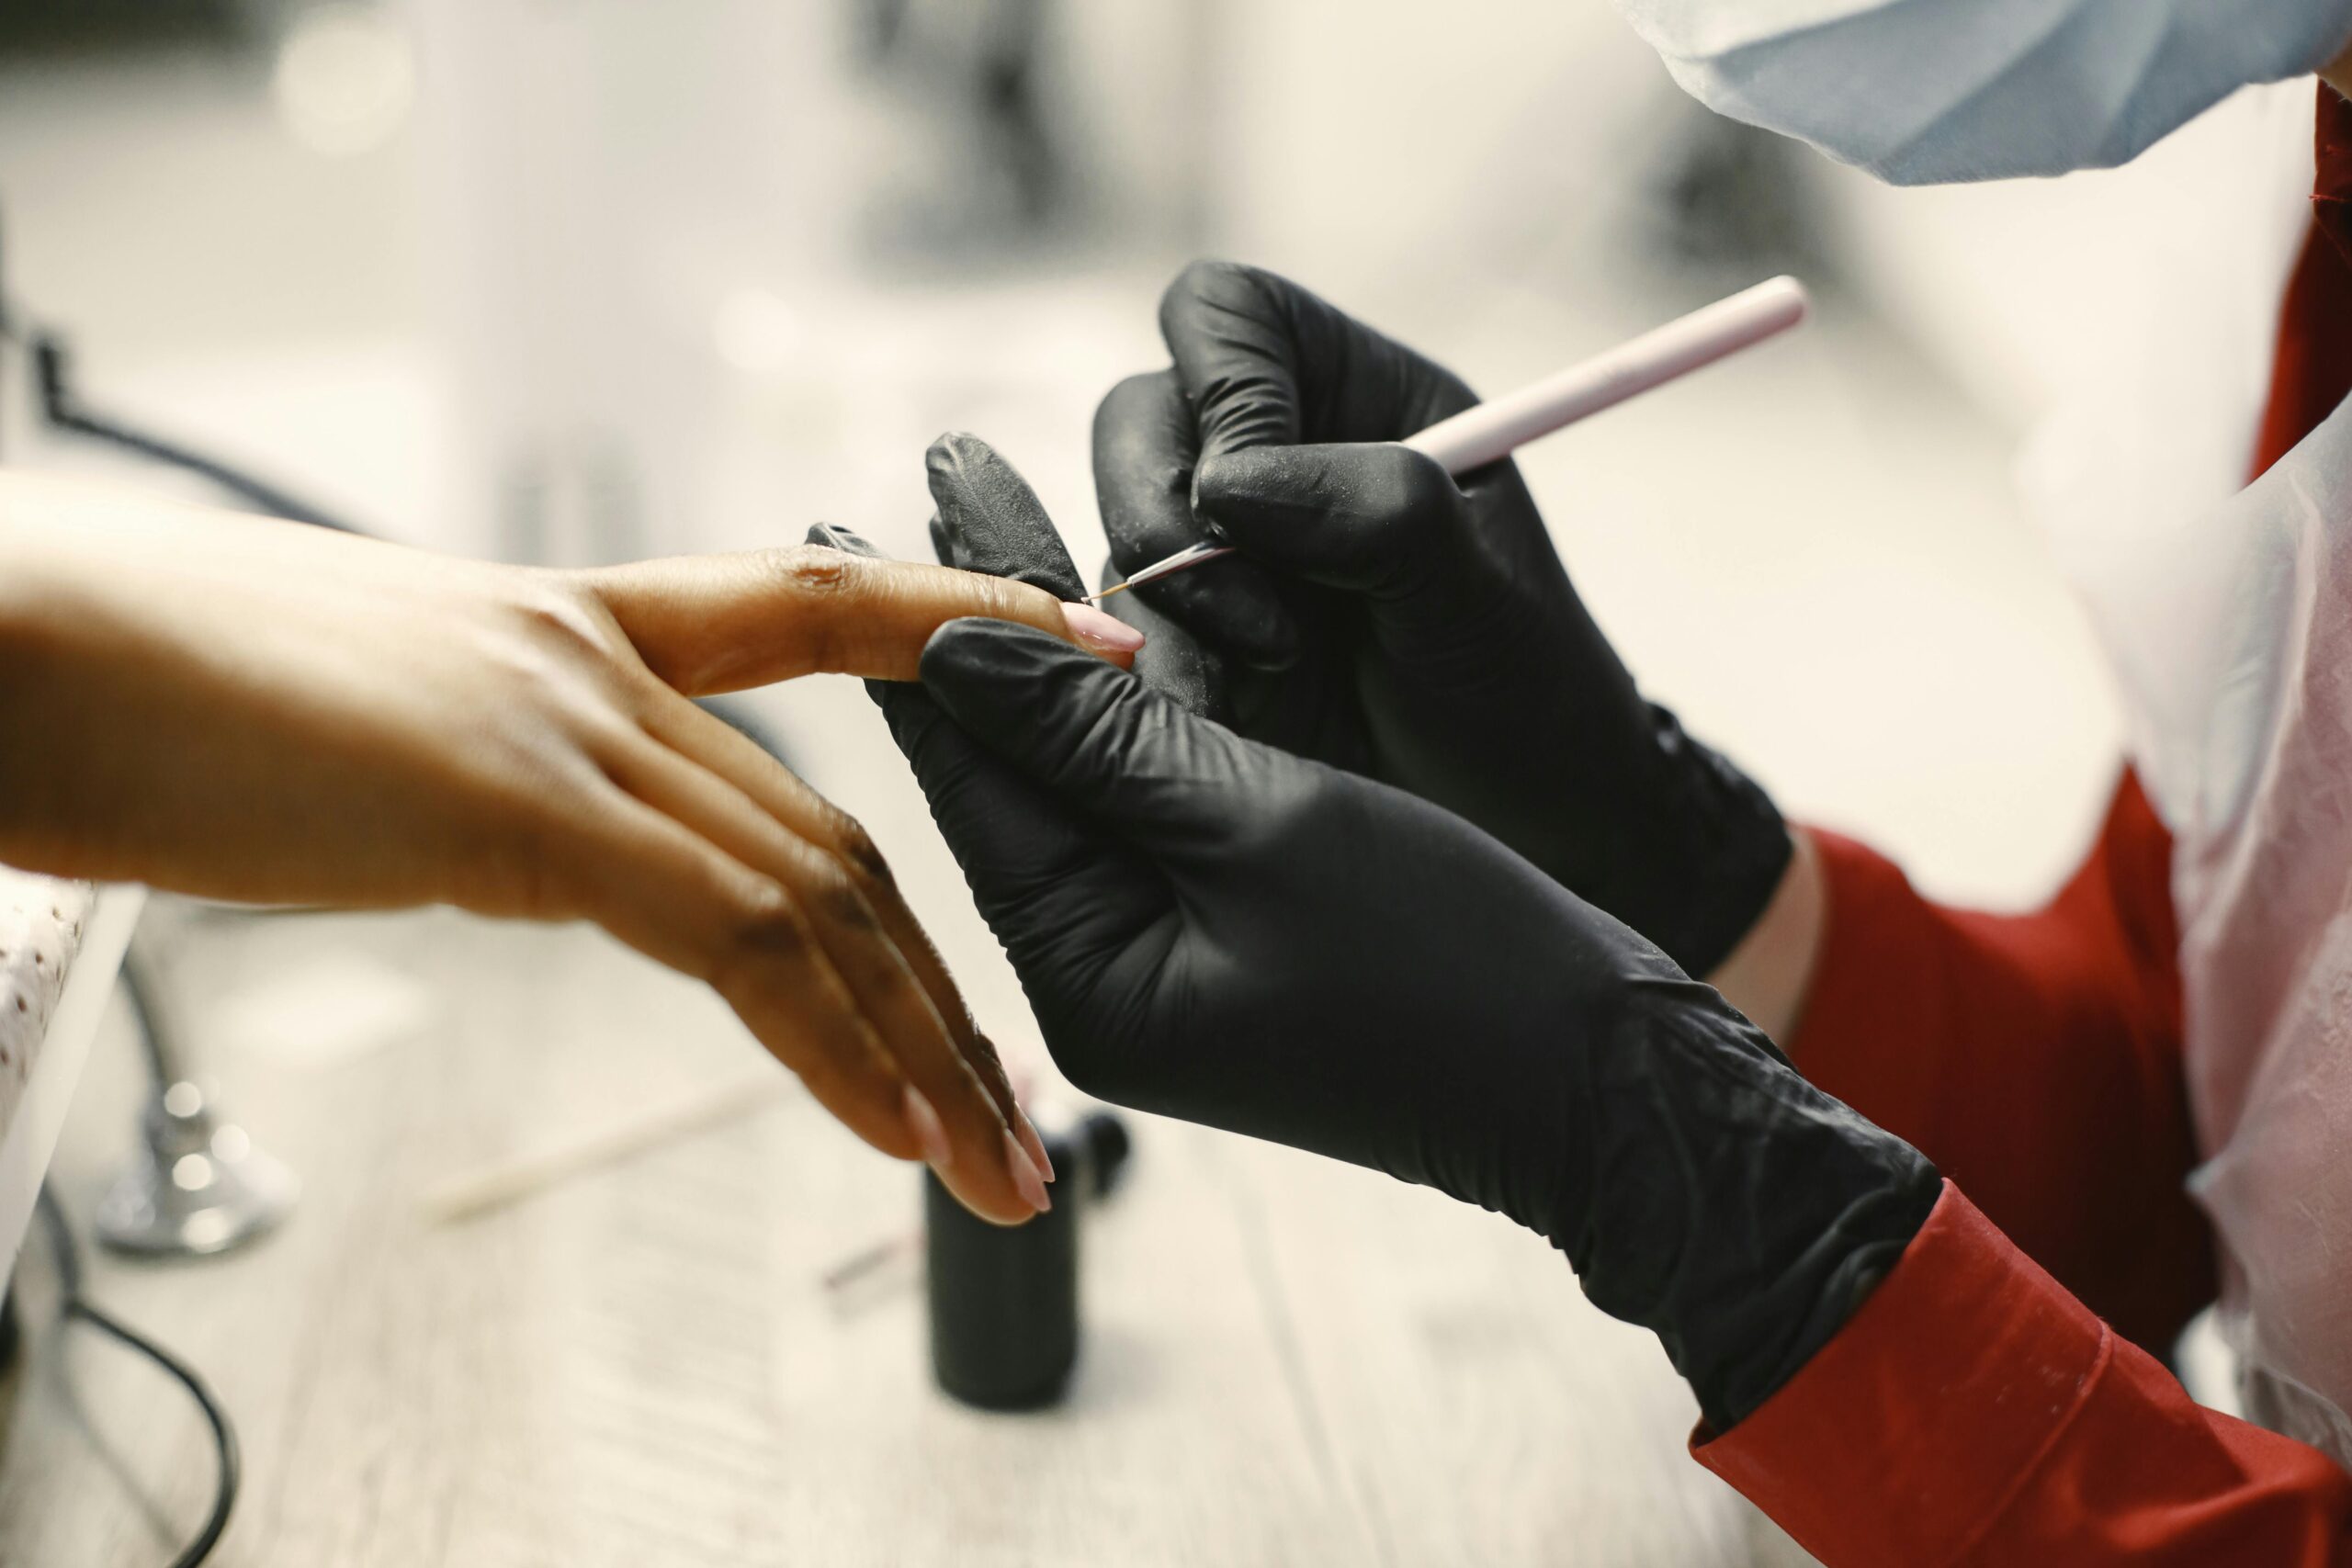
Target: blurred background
[(582, 280)]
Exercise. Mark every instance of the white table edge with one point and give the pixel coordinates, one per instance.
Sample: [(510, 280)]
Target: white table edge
[(31, 1134)]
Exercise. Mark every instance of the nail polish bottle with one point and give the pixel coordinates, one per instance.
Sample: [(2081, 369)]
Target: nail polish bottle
[(1003, 1299)]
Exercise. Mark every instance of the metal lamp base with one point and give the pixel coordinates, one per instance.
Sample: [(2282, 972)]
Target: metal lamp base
[(195, 1186)]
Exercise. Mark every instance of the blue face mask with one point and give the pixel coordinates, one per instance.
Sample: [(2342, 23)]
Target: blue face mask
[(1921, 91)]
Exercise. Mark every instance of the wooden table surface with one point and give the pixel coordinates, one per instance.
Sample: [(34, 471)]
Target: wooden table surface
[(1285, 1362)]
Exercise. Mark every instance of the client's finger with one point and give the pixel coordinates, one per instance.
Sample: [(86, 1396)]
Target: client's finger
[(1174, 661), (801, 811), (683, 901), (967, 1139), (710, 624), (929, 965)]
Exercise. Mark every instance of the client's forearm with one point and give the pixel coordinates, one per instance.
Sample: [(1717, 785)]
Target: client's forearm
[(32, 595)]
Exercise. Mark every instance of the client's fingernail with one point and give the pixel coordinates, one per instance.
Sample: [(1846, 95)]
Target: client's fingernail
[(1025, 1179), (1103, 632), (1034, 1145), (930, 1137)]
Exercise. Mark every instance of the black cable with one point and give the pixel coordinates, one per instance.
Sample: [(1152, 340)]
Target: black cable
[(224, 1435), (64, 410)]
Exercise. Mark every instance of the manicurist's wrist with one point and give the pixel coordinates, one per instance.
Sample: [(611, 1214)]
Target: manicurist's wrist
[(1708, 848), (1770, 969)]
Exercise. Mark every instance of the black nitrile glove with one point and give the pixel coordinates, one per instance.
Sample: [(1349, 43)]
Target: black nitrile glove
[(1386, 621), (1217, 929), (989, 520)]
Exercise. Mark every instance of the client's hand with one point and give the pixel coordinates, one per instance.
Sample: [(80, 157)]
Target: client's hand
[(1386, 620), (1214, 928), (253, 710)]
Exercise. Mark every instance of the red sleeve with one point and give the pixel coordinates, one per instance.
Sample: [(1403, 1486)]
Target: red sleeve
[(1991, 1414), (2035, 1058), (1994, 1419)]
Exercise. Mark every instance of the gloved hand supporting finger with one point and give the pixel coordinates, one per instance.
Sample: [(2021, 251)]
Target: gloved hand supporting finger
[(712, 624), (1119, 752), (1173, 661), (1061, 897), (1024, 857)]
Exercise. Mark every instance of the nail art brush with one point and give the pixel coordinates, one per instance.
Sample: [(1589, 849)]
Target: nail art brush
[(1479, 435)]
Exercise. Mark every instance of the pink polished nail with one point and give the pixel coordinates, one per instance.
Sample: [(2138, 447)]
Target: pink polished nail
[(1032, 1145), (1100, 630), (1025, 1179), (931, 1136)]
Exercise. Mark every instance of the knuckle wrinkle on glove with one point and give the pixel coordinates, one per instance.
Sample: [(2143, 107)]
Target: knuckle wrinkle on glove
[(1205, 278)]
